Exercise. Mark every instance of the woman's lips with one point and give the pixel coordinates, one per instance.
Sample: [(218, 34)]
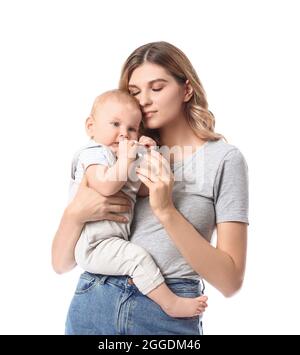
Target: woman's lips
[(149, 114)]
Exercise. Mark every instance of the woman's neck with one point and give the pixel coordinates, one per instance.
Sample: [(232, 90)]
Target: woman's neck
[(179, 134)]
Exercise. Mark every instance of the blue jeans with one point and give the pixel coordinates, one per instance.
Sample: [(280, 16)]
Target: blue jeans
[(109, 305)]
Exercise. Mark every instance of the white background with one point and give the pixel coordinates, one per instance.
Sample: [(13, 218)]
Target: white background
[(56, 56)]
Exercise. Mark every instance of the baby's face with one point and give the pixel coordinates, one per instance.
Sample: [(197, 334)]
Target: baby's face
[(114, 121)]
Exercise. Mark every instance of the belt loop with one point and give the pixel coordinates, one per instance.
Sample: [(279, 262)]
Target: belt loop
[(202, 286), (103, 278)]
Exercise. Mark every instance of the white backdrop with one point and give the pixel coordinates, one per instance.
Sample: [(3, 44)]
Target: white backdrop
[(56, 56)]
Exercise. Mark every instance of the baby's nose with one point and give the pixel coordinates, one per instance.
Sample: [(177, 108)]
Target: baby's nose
[(123, 135)]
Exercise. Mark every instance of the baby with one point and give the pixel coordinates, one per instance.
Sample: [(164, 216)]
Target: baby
[(107, 161)]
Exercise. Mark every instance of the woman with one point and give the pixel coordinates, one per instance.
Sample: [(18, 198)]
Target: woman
[(176, 222)]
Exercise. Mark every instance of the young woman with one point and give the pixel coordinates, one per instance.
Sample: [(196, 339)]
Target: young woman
[(202, 186)]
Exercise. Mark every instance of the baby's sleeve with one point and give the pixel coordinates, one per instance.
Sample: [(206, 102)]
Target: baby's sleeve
[(92, 156), (231, 190)]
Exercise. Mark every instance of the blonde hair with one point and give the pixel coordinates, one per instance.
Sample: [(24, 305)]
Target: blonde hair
[(120, 95), (200, 119)]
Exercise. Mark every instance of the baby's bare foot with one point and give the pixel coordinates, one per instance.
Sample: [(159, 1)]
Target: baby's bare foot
[(186, 307)]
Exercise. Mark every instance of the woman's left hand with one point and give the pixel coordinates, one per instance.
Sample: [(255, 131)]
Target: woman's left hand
[(156, 174)]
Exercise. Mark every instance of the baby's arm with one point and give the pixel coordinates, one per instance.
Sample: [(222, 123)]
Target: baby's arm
[(106, 180), (109, 180)]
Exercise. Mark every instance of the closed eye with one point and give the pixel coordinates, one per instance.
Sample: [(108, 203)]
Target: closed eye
[(132, 129), (134, 93), (137, 92)]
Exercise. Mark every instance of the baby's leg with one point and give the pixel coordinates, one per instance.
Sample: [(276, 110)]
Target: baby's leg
[(176, 306), (144, 271), (116, 256)]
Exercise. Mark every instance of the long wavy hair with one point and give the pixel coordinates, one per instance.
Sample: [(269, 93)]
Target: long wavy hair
[(176, 63)]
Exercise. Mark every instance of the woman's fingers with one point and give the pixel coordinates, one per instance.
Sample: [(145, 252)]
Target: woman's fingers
[(157, 163), (118, 208), (147, 173), (121, 194), (116, 218), (118, 201), (145, 180), (119, 198), (105, 210)]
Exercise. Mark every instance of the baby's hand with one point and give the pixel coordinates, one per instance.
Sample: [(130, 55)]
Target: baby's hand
[(127, 149), (147, 142)]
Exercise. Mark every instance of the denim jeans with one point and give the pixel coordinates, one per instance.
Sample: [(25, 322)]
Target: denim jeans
[(110, 305)]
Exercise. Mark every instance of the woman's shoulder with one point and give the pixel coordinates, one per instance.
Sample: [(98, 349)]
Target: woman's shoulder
[(217, 153), (220, 150), (220, 146)]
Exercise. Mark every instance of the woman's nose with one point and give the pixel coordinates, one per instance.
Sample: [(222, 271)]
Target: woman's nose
[(144, 99)]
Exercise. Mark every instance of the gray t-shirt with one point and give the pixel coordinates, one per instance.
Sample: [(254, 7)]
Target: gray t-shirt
[(214, 189)]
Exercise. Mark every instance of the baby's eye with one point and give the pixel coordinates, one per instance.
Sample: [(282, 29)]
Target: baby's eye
[(132, 129), (115, 124)]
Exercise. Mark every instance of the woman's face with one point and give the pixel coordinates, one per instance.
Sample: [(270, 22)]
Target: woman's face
[(160, 96)]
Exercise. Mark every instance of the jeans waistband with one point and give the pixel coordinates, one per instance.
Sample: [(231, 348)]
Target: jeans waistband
[(123, 280)]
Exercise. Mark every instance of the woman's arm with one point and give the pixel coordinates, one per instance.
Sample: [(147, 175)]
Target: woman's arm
[(223, 266), (87, 205), (64, 242)]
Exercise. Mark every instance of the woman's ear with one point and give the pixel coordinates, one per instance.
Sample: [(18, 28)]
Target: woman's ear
[(89, 126), (188, 91)]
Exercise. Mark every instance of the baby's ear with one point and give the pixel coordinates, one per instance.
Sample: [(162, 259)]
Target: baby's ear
[(89, 126)]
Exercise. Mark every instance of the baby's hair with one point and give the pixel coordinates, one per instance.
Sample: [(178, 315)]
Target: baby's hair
[(120, 95)]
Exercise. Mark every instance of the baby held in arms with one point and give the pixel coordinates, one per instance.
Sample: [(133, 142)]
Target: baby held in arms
[(108, 161)]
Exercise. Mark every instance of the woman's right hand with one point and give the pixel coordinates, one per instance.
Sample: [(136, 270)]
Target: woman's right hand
[(88, 205)]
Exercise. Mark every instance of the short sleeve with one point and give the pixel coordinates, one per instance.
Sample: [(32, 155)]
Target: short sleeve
[(93, 155), (231, 189)]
